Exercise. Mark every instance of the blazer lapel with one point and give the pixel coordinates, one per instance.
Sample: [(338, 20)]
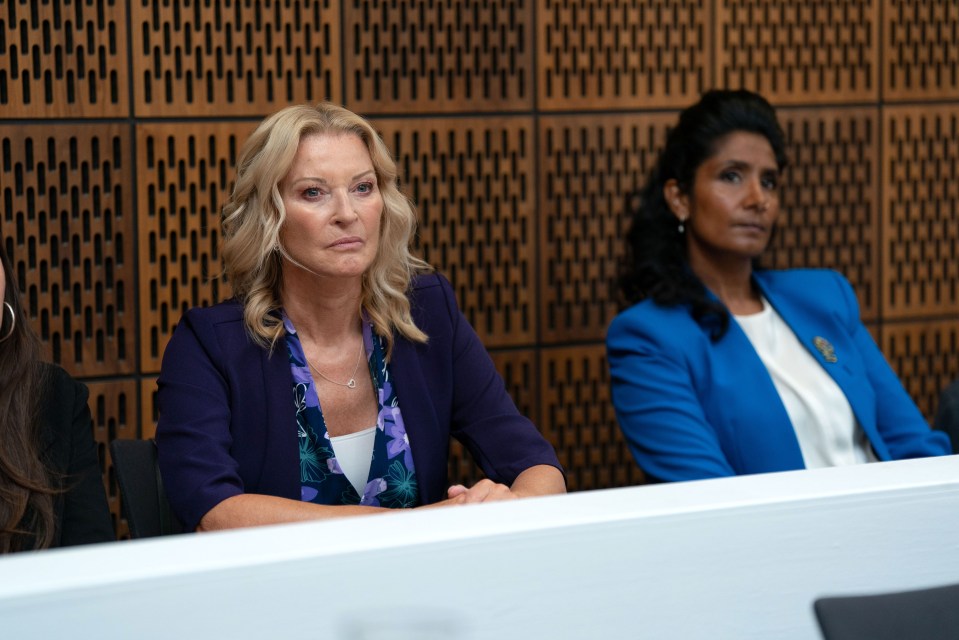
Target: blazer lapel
[(282, 450), (764, 435), (429, 443), (828, 341)]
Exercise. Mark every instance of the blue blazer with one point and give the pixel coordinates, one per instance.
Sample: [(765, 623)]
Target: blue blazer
[(227, 424), (692, 408)]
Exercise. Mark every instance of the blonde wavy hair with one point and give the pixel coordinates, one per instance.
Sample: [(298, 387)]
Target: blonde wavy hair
[(251, 223)]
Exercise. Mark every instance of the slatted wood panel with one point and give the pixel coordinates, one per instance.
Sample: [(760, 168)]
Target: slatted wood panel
[(921, 211), (797, 51), (920, 49), (472, 182), (623, 54), (186, 175), (589, 164), (233, 57), (115, 410), (410, 56), (925, 353), (68, 227), (830, 196), (63, 59), (578, 418)]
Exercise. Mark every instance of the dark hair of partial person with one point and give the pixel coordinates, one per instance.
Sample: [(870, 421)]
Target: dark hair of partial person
[(655, 264), (26, 487)]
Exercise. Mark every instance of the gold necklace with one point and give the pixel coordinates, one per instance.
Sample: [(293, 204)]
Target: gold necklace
[(352, 381)]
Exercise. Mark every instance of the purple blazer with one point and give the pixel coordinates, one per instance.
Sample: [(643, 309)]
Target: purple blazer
[(227, 424)]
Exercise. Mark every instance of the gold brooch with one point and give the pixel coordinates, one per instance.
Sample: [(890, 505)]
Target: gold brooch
[(825, 348)]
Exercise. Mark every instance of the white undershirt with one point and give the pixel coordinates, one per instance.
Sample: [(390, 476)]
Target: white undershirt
[(354, 453), (819, 411)]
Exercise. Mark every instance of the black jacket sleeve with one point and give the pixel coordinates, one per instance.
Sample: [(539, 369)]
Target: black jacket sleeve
[(82, 512)]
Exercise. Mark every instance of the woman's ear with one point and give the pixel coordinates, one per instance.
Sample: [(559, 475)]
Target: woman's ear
[(676, 200)]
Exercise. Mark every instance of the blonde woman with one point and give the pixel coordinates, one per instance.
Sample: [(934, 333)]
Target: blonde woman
[(331, 384)]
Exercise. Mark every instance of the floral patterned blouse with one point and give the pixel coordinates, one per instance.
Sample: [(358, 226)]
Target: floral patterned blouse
[(392, 479)]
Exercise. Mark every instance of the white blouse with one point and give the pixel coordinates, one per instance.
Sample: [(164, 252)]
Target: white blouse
[(354, 453), (825, 426)]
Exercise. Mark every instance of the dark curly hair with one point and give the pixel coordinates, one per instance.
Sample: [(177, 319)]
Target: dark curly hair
[(655, 264)]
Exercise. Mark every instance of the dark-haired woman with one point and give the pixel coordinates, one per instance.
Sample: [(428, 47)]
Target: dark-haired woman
[(719, 368), (51, 492)]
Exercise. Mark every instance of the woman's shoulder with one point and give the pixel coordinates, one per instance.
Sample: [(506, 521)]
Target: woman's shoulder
[(217, 327), (60, 397), (230, 310), (649, 311), (220, 320), (813, 297), (427, 289), (425, 282), (800, 279), (810, 288), (58, 383), (657, 322)]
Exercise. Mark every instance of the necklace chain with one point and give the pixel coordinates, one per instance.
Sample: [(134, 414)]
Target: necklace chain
[(352, 381)]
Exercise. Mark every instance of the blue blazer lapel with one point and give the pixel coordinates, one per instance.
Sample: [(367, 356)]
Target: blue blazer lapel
[(764, 436), (820, 330), (815, 331)]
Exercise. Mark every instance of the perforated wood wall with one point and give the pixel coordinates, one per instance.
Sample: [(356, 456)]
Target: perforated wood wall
[(520, 126)]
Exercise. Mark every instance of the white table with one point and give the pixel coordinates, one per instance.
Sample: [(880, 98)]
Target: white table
[(733, 558)]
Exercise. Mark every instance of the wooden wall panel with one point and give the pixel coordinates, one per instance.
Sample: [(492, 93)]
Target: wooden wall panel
[(63, 59), (622, 54), (148, 407), (115, 411), (471, 180), (68, 227), (185, 177), (799, 51), (921, 211), (578, 419), (830, 197), (925, 354), (404, 56), (233, 57), (589, 166), (920, 52)]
